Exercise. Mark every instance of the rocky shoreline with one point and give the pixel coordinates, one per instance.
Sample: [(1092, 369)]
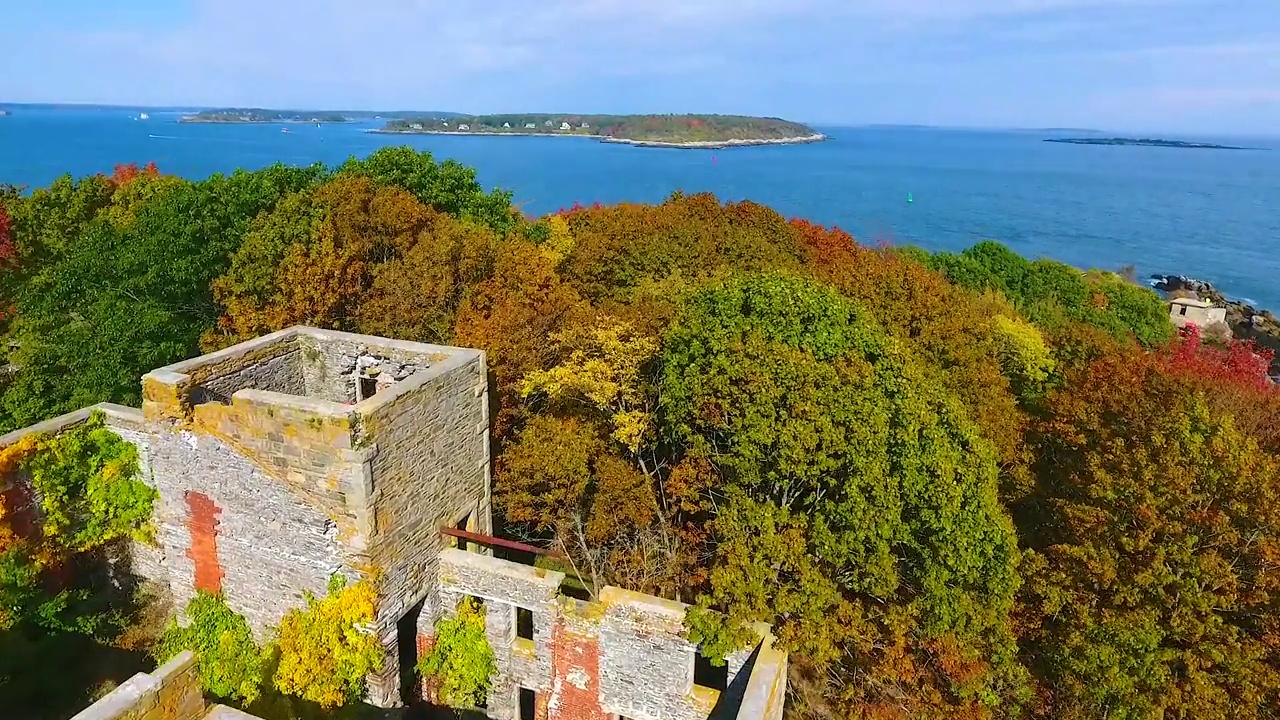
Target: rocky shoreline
[(1246, 321), (694, 145)]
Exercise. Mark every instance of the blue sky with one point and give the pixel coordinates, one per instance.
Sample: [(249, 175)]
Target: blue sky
[(1202, 66)]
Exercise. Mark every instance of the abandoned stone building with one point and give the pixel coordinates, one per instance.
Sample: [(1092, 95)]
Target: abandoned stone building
[(305, 453)]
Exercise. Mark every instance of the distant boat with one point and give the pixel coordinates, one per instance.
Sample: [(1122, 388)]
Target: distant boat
[(284, 130), (144, 116), (910, 199), (317, 124)]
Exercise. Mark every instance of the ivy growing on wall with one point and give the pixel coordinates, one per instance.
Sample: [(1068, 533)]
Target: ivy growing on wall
[(231, 665), (461, 663), (90, 488), (90, 493), (326, 650)]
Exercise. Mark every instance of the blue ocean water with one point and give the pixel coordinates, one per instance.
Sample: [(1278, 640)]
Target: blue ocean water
[(1211, 214)]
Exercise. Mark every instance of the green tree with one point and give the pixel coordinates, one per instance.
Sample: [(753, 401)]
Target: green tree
[(856, 490), (1154, 531), (327, 649), (448, 186), (90, 488), (124, 299)]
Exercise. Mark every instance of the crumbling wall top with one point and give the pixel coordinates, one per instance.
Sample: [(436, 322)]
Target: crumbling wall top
[(303, 368)]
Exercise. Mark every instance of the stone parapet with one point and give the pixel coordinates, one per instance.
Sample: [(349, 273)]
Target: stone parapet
[(172, 692)]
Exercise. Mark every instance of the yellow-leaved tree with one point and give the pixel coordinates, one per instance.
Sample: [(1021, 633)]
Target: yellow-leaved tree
[(326, 649), (604, 368)]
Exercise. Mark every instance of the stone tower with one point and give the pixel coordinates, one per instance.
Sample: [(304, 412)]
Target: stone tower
[(306, 453)]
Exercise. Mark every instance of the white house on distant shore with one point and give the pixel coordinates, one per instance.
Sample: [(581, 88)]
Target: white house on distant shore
[(564, 126), (530, 126)]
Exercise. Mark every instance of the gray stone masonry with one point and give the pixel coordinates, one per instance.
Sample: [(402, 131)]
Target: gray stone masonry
[(172, 692), (330, 366), (645, 664), (503, 587), (281, 373), (271, 545), (275, 472)]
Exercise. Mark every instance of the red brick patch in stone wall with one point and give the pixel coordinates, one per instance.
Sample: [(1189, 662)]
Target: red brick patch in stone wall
[(19, 511), (425, 689), (202, 522), (575, 677)]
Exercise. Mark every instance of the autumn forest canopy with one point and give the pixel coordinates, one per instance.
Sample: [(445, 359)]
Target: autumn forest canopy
[(965, 485)]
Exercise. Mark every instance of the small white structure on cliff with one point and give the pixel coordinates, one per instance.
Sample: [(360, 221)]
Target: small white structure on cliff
[(1186, 311)]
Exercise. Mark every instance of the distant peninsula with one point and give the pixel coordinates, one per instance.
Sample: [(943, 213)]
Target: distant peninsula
[(1144, 141), (261, 115), (672, 131)]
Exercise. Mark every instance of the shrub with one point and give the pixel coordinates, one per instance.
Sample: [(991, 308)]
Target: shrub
[(325, 650), (461, 663), (231, 665)]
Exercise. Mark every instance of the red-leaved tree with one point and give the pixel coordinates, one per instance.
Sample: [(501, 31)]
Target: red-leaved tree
[(127, 173), (1233, 378), (1237, 362), (8, 251)]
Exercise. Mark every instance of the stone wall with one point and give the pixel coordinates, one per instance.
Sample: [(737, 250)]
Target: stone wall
[(268, 493), (172, 692), (280, 373), (330, 362), (229, 526), (622, 654), (428, 440), (504, 586)]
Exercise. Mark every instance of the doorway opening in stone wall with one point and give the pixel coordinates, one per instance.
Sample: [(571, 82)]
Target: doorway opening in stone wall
[(407, 644)]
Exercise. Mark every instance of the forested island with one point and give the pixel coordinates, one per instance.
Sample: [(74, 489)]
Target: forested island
[(681, 131), (956, 484), (232, 115), (1145, 142), (260, 115)]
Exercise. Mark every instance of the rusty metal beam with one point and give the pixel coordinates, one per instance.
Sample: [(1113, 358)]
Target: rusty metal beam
[(492, 541)]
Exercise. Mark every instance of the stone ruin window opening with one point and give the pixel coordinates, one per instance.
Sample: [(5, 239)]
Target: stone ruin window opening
[(366, 388), (528, 704), (1182, 310), (707, 675), (524, 623)]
